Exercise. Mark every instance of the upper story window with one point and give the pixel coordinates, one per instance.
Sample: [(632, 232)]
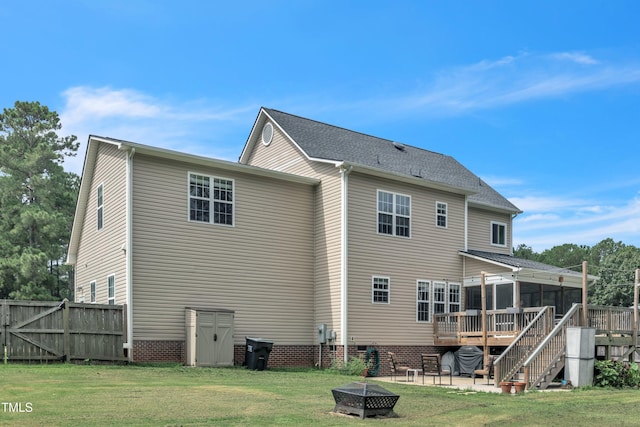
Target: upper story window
[(498, 234), (111, 289), (100, 203), (394, 214), (380, 290), (210, 199), (441, 214)]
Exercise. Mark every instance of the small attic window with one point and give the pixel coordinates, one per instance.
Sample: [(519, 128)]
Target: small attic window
[(267, 134), (399, 146)]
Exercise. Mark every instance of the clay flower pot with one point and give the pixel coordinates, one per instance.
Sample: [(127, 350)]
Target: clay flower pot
[(506, 387), (520, 387)]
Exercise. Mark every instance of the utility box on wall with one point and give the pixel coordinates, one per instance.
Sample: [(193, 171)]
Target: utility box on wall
[(209, 337), (322, 333)]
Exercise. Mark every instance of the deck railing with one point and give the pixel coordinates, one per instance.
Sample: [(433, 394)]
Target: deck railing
[(610, 320), (466, 325)]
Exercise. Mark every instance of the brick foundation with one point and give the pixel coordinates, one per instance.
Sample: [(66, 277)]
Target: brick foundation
[(158, 351), (287, 355)]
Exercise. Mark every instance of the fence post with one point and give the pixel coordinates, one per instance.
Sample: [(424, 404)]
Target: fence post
[(4, 324), (65, 326)]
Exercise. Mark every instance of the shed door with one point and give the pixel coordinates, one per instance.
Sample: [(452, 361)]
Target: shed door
[(214, 338)]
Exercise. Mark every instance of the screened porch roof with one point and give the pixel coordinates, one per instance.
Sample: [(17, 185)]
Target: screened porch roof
[(523, 270)]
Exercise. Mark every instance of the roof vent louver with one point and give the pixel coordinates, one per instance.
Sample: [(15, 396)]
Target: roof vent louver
[(399, 146)]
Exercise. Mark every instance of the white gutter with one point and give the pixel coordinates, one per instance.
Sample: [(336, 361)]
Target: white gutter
[(129, 255), (344, 258)]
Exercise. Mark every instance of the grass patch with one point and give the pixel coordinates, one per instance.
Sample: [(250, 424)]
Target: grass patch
[(173, 395)]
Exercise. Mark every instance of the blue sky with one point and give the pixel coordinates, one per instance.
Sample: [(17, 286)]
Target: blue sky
[(539, 98)]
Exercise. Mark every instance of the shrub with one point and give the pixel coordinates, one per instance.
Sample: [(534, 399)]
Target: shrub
[(610, 373), (354, 366)]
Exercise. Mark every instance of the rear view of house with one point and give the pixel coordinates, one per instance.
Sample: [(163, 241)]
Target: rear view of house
[(324, 240)]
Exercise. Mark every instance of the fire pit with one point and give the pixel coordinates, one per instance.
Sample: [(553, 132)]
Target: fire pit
[(364, 399)]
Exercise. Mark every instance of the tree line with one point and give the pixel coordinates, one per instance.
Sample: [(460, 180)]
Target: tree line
[(613, 262), (38, 200)]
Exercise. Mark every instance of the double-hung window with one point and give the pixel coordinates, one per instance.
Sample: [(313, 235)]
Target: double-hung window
[(439, 297), (423, 309), (441, 214), (380, 287), (111, 290), (498, 233), (211, 199), (394, 214), (454, 297), (436, 298), (100, 203)]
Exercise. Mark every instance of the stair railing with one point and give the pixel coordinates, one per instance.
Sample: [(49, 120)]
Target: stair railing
[(550, 351), (509, 363)]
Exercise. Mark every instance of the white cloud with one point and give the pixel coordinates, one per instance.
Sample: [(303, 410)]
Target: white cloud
[(577, 57), (544, 204), (196, 126), (517, 79), (502, 181), (586, 224)]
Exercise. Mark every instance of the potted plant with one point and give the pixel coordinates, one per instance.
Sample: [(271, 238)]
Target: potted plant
[(506, 386), (520, 387)]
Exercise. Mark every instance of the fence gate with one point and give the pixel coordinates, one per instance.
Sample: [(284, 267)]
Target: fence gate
[(50, 331)]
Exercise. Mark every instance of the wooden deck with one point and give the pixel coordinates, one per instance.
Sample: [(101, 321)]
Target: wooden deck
[(614, 326), (465, 328)]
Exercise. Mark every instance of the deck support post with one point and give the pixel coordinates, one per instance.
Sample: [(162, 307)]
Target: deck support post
[(585, 322), (636, 283), (483, 297)]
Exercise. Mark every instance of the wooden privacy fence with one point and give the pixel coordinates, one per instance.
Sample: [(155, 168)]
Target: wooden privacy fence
[(61, 331)]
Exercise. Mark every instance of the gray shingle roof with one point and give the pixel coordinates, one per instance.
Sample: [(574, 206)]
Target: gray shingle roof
[(322, 141), (519, 262)]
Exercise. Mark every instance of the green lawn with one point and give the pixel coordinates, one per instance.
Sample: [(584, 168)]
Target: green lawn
[(70, 395)]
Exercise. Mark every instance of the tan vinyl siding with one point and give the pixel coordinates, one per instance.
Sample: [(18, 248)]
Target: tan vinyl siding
[(474, 267), (480, 230), (283, 155), (261, 267), (100, 252), (431, 253)]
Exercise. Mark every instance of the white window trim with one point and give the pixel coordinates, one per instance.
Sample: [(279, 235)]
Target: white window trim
[(92, 292), (446, 286), (111, 298), (211, 199), (388, 290), (445, 215), (428, 301), (393, 214), (100, 207), (449, 302), (505, 234)]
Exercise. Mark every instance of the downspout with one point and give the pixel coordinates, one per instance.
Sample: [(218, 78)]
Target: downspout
[(344, 258), (129, 253), (466, 223)]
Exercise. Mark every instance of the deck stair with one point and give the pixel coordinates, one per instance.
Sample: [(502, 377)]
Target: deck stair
[(510, 363), (538, 363)]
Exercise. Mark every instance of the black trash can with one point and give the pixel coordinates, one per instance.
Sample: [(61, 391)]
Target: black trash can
[(256, 354)]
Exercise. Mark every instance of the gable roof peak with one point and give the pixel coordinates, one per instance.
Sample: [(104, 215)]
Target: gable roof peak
[(324, 142)]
